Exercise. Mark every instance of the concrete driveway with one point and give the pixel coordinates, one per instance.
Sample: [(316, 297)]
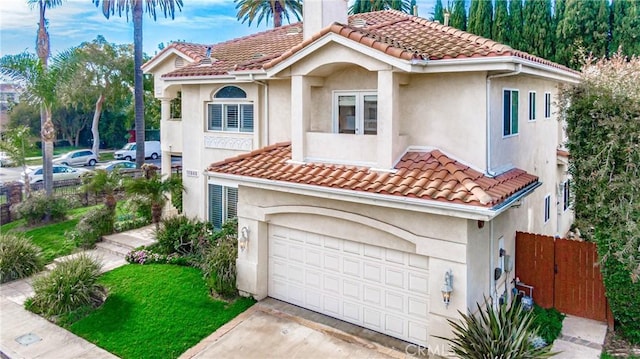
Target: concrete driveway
[(265, 332)]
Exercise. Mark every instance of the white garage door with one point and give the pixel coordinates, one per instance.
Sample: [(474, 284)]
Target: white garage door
[(377, 288)]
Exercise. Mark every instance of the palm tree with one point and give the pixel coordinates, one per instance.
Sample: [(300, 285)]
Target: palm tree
[(47, 129), (168, 8), (104, 182), (248, 10), (360, 6), (155, 189)]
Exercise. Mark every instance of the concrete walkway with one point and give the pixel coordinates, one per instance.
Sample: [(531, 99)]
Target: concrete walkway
[(27, 335), (580, 338)]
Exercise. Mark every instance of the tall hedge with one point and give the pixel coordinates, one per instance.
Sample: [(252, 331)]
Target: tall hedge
[(603, 128)]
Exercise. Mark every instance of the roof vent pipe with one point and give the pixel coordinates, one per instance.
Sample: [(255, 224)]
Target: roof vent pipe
[(446, 18), (415, 10)]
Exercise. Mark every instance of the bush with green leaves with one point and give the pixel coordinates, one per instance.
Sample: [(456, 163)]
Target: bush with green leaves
[(548, 322), (19, 257), (93, 225), (71, 285), (506, 332), (219, 261), (182, 235), (35, 208), (146, 256)]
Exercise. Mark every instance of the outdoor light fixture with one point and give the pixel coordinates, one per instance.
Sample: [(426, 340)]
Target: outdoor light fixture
[(243, 240), (447, 288)]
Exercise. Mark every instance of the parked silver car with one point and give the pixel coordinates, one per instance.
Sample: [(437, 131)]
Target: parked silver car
[(60, 172), (117, 165), (77, 158)]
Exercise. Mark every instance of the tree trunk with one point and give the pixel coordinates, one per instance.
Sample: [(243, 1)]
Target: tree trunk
[(138, 82), (277, 15), (156, 214), (46, 126), (94, 125), (76, 141)]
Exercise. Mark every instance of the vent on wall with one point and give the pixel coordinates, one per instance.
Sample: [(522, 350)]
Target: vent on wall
[(294, 30), (179, 62), (358, 23)]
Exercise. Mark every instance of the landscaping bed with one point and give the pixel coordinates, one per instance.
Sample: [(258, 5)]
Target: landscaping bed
[(155, 311)]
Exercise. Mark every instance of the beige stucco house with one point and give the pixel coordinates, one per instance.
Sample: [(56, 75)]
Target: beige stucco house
[(366, 157)]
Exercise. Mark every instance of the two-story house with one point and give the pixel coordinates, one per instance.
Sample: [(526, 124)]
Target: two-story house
[(367, 158)]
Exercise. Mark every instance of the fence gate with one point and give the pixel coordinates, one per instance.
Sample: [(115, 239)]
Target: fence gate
[(564, 273)]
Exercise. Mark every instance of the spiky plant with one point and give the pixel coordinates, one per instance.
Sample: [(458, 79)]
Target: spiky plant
[(503, 332)]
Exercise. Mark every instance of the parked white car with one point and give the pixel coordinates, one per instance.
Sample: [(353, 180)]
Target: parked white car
[(77, 158), (60, 172), (128, 152), (5, 160)]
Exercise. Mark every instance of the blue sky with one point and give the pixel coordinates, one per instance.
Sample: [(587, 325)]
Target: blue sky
[(200, 21)]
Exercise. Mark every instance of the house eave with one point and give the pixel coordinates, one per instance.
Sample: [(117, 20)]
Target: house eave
[(154, 62), (373, 199)]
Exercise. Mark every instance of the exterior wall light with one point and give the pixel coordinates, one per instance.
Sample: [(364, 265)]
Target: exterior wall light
[(243, 239), (447, 288)]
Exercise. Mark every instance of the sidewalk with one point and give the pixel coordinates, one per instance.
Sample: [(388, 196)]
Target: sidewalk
[(580, 339), (27, 335)]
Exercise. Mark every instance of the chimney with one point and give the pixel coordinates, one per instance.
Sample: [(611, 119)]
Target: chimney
[(318, 14)]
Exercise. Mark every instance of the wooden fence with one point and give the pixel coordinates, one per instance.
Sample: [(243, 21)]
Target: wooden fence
[(564, 273)]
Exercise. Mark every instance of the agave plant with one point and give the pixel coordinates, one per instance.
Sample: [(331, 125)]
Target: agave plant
[(504, 332)]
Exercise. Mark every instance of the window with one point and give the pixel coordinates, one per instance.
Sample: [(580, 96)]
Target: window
[(547, 208), (565, 195), (223, 204), (510, 112), (175, 106), (532, 106), (226, 115), (356, 113), (547, 105)]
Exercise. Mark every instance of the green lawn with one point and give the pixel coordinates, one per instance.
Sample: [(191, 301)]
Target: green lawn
[(51, 238), (155, 311)]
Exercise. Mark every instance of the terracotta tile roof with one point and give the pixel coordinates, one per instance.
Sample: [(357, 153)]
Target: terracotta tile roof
[(423, 175), (392, 32), (562, 153), (245, 53)]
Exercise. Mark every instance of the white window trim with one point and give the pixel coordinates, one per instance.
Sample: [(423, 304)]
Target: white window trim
[(535, 113), (549, 104), (359, 104), (229, 102), (547, 199), (502, 111)]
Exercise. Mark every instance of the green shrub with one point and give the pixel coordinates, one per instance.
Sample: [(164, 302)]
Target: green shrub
[(136, 206), (624, 298), (219, 261), (176, 199), (505, 332), (93, 225), (548, 322), (71, 285), (19, 257), (182, 235), (35, 208)]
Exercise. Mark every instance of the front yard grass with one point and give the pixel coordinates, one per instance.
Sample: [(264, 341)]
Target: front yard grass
[(155, 311), (50, 238)]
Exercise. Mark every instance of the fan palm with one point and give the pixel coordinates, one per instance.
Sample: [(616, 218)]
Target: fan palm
[(168, 8), (47, 129), (155, 189), (360, 6), (250, 10), (105, 182)]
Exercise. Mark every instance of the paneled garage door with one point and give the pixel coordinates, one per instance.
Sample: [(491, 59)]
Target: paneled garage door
[(377, 288)]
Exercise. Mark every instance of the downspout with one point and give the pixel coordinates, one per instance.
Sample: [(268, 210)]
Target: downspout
[(488, 92), (492, 282), (265, 132)]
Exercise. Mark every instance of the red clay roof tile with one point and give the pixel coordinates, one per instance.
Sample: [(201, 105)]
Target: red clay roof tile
[(392, 32), (447, 181)]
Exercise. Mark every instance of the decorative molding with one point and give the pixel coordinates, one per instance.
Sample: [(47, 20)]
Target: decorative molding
[(228, 143)]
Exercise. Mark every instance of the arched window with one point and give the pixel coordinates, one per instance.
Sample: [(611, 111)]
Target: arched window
[(230, 92), (229, 112)]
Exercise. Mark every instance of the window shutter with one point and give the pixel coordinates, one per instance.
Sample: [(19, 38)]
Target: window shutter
[(215, 205), (232, 117), (246, 118), (215, 117), (232, 203)]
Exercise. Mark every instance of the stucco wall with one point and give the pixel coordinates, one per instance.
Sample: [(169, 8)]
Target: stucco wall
[(446, 111)]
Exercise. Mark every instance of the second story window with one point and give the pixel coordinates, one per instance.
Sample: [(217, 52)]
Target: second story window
[(356, 113), (176, 106), (230, 111), (547, 105), (547, 208), (510, 112), (532, 106)]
